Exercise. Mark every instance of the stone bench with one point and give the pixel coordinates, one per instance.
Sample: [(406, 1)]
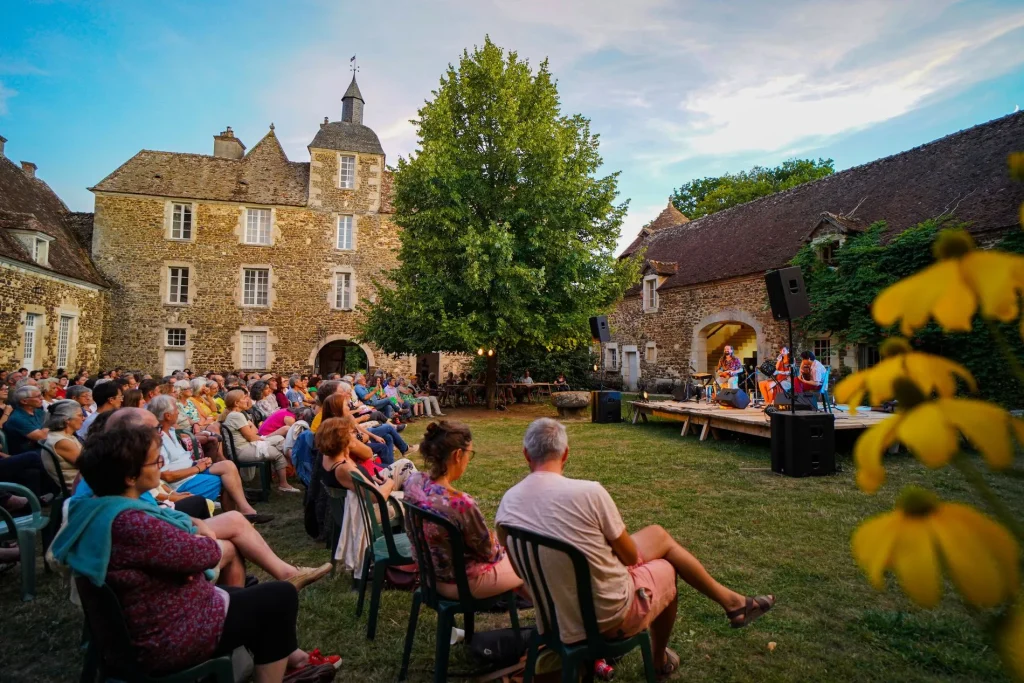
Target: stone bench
[(571, 403)]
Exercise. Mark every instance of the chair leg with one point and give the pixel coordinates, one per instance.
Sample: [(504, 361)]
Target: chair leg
[(27, 546), (89, 666), (513, 610), (265, 475), (362, 582), (648, 653), (531, 660), (570, 670), (410, 634), (379, 570), (469, 619), (443, 645)]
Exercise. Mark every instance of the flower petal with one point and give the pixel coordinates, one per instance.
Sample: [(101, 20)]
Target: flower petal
[(955, 306), (992, 275), (880, 379), (996, 538), (935, 373), (872, 545), (974, 569), (850, 387), (915, 562), (912, 297), (867, 453), (1011, 636), (927, 433), (985, 425)]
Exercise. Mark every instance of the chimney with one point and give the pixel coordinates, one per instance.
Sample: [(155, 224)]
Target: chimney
[(2, 141), (227, 146), (29, 168), (321, 125)]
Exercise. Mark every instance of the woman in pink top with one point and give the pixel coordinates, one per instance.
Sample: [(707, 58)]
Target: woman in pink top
[(278, 423)]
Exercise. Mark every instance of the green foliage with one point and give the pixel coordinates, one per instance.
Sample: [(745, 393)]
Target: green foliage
[(508, 237), (865, 265), (577, 364), (707, 195)]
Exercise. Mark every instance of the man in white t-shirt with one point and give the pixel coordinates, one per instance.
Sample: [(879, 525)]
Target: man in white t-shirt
[(633, 576)]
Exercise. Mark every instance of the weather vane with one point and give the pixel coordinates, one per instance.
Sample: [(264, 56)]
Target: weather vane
[(353, 66)]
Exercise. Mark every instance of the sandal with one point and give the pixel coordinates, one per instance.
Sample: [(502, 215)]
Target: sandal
[(670, 665), (753, 610)]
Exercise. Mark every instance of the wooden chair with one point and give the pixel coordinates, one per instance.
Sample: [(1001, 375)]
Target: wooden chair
[(384, 547), (111, 655), (24, 530), (446, 608), (525, 552), (262, 467)]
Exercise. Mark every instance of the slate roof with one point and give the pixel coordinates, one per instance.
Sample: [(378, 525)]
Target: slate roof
[(669, 217), (29, 204), (353, 90), (964, 174), (347, 137), (263, 176)]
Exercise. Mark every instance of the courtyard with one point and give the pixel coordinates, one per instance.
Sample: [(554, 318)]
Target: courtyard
[(755, 531)]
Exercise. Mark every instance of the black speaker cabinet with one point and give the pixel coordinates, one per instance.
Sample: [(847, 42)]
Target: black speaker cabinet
[(803, 444), (606, 406), (599, 329), (786, 293), (807, 400), (734, 398)]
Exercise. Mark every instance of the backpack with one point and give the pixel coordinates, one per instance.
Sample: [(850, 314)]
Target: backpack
[(500, 648)]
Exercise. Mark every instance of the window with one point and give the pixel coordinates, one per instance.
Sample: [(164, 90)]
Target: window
[(867, 356), (255, 287), (345, 233), (41, 253), (827, 253), (177, 285), (612, 362), (176, 336), (181, 222), (343, 291), (64, 340), (257, 226), (346, 172), (651, 352), (37, 244), (30, 340), (823, 351), (650, 293), (254, 350)]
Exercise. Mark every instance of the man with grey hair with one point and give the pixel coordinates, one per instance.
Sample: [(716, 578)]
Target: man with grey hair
[(82, 395), (633, 576), (24, 430)]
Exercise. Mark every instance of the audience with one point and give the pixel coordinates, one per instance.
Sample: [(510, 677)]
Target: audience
[(206, 430), (64, 419), (82, 395), (131, 398), (24, 426), (634, 576), (48, 388), (108, 397), (447, 449), (249, 445)]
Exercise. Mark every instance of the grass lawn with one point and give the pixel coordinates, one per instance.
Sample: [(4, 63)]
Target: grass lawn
[(755, 531)]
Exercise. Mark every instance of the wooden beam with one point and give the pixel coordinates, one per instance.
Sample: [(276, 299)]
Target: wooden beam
[(705, 430), (686, 426)]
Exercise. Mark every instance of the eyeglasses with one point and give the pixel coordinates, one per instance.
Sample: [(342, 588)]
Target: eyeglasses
[(159, 462), (470, 452)]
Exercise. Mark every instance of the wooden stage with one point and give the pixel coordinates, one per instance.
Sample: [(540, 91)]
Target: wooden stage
[(711, 418)]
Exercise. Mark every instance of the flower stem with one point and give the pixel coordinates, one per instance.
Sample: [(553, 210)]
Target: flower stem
[(975, 479), (1004, 347)]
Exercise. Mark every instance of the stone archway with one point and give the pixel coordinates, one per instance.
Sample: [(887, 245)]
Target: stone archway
[(699, 345), (323, 343)]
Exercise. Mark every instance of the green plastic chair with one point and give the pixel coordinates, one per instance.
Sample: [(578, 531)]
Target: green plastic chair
[(112, 656), (24, 529), (336, 498), (57, 504), (384, 547), (3, 442), (524, 551), (262, 467), (446, 608)]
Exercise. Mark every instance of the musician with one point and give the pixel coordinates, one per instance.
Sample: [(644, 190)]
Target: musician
[(812, 374), (769, 388), (728, 370)]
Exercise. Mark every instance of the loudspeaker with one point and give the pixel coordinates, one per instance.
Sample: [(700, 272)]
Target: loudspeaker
[(803, 444), (786, 294), (807, 400), (605, 406), (599, 329), (734, 398)]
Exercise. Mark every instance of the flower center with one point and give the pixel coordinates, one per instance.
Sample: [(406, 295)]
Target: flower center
[(917, 502), (1017, 165), (952, 244), (908, 394), (894, 346)]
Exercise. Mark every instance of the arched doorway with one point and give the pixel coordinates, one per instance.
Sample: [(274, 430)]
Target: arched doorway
[(340, 354), (740, 336)]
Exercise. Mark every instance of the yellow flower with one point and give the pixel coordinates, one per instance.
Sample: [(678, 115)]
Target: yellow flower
[(951, 289), (931, 431), (923, 535), (1011, 640), (930, 374)]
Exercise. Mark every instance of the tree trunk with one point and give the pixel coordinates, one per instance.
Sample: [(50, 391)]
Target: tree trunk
[(491, 382)]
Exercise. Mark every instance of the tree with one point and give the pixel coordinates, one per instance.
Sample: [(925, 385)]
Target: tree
[(705, 196), (508, 237)]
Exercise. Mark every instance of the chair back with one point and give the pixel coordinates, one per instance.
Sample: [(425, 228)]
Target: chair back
[(192, 444), (825, 379), (336, 497), (107, 627), (374, 508), (525, 553), (229, 446), (58, 473), (3, 442), (420, 522)]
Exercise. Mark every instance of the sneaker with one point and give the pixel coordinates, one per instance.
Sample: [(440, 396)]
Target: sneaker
[(412, 449), (290, 489), (259, 518), (311, 674), (399, 427), (308, 575), (317, 659)]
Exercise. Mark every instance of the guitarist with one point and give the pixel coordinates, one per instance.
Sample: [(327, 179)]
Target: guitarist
[(782, 373), (728, 370)]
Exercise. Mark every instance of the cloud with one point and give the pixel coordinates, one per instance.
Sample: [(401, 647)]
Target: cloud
[(636, 218), (5, 94)]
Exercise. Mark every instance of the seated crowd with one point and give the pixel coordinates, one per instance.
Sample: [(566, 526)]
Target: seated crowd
[(147, 463)]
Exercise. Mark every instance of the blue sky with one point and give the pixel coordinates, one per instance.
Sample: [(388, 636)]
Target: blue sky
[(678, 89)]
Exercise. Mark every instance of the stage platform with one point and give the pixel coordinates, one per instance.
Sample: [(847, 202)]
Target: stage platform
[(711, 418)]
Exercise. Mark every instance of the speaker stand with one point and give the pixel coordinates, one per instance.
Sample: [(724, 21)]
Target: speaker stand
[(792, 376)]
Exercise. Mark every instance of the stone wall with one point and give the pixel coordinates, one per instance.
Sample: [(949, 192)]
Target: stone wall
[(23, 291), (130, 248)]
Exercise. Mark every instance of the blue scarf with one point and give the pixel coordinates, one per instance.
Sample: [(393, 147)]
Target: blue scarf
[(84, 544)]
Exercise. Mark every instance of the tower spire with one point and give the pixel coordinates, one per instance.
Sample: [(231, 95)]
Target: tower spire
[(352, 101)]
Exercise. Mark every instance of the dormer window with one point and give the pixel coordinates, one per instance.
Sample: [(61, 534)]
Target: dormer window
[(827, 252), (650, 292), (346, 172), (37, 244)]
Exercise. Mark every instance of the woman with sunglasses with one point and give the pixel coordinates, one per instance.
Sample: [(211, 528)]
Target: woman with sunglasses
[(447, 450)]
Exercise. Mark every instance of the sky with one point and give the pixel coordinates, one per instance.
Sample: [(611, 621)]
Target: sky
[(677, 89)]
